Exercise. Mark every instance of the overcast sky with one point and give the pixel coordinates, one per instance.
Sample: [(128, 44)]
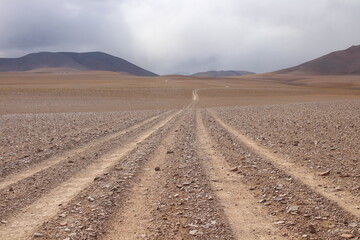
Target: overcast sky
[(183, 36)]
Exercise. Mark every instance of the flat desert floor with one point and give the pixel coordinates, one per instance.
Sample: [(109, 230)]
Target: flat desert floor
[(99, 155)]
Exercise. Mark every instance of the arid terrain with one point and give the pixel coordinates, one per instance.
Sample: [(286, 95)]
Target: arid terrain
[(101, 155)]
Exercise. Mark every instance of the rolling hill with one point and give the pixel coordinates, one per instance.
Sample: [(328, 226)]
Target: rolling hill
[(78, 61), (345, 62), (229, 73)]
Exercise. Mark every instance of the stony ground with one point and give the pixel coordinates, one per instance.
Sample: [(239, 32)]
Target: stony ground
[(272, 172), (294, 204), (322, 136), (26, 139)]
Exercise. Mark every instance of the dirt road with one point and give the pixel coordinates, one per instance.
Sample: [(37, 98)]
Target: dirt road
[(188, 173)]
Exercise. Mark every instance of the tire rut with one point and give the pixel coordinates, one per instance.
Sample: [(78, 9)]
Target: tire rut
[(52, 150), (344, 199), (27, 190), (135, 220), (22, 225), (305, 213), (187, 207), (245, 215), (5, 182)]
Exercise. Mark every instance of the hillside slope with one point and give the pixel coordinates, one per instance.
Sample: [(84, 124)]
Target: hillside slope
[(78, 61), (345, 62)]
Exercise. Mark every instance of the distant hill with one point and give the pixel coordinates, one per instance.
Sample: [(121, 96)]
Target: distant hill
[(70, 60), (345, 62), (221, 73)]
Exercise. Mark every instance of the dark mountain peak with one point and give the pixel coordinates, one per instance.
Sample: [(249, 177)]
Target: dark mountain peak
[(78, 61), (222, 73), (343, 62)]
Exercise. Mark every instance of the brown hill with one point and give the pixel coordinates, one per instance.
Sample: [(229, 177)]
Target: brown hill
[(345, 62), (69, 60)]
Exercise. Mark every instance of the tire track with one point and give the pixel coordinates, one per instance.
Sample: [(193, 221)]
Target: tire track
[(63, 142), (195, 99), (187, 208), (344, 199), (195, 95), (118, 180), (23, 224), (246, 217), (69, 154), (305, 213), (28, 190), (135, 221)]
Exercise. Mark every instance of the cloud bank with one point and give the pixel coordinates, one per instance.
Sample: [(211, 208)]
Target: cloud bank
[(183, 35)]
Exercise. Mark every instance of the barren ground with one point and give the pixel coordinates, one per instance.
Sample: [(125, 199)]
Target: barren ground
[(98, 155)]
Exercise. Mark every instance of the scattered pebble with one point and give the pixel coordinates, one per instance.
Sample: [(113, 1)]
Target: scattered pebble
[(38, 235)]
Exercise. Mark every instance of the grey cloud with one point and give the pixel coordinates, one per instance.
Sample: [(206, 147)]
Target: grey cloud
[(183, 35)]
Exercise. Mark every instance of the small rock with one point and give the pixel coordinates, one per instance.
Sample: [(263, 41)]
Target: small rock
[(89, 229), (353, 225), (346, 235), (90, 199), (157, 169), (312, 229), (193, 232), (98, 178), (326, 173), (234, 169), (63, 223), (4, 222), (338, 189), (38, 235), (292, 209), (279, 222), (169, 151)]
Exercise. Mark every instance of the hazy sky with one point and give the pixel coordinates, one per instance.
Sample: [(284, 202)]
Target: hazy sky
[(172, 36)]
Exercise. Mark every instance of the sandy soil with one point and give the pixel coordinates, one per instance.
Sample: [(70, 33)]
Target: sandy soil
[(106, 156)]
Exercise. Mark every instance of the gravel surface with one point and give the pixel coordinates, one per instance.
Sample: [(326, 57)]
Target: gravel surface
[(86, 216), (322, 136), (188, 208), (33, 187), (26, 139), (305, 213)]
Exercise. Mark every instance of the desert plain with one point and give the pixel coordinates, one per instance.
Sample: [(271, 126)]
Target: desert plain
[(102, 155)]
